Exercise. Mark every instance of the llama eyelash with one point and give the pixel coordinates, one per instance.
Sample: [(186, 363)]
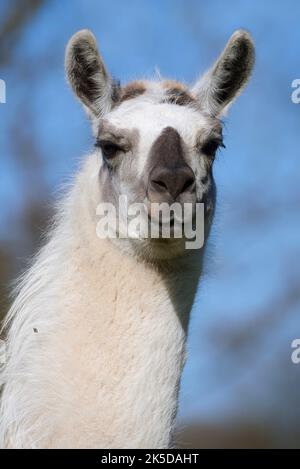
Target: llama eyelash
[(210, 147), (109, 149)]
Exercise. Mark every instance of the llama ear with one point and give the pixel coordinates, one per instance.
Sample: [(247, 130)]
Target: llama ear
[(217, 89), (88, 76)]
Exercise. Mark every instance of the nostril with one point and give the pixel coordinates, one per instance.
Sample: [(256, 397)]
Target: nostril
[(172, 181), (159, 184), (188, 184)]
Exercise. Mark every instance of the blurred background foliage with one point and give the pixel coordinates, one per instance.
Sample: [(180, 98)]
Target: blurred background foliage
[(240, 388)]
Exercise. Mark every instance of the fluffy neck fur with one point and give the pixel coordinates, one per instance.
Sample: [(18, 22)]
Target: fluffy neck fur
[(96, 342)]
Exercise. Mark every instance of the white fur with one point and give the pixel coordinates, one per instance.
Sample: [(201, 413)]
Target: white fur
[(103, 369), (96, 334)]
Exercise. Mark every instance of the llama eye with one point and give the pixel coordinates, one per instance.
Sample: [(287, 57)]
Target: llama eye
[(109, 149), (211, 146)]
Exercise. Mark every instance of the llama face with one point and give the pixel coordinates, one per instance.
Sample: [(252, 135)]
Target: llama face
[(157, 140), (158, 152)]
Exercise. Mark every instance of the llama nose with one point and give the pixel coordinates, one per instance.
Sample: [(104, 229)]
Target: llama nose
[(165, 182)]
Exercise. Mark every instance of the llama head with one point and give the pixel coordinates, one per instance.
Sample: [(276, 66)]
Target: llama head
[(157, 140)]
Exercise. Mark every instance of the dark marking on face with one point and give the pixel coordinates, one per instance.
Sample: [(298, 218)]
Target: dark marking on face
[(179, 97), (167, 149), (132, 90), (209, 140), (125, 138), (169, 176), (204, 179), (177, 93)]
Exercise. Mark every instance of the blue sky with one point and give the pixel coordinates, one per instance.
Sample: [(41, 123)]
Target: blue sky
[(255, 244)]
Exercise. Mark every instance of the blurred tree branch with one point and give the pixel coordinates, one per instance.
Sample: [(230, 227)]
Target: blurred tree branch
[(23, 148), (11, 26)]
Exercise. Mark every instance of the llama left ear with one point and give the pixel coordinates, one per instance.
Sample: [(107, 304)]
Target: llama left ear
[(218, 88), (88, 76)]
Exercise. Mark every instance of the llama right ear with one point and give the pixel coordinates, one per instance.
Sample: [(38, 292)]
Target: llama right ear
[(88, 76), (218, 88)]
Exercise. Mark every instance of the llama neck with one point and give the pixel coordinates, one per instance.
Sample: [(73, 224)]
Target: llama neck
[(125, 331), (100, 339)]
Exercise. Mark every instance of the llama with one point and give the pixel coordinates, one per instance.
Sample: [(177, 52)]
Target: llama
[(96, 334)]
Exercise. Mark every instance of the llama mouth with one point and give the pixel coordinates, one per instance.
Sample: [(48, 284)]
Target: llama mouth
[(160, 222), (168, 230)]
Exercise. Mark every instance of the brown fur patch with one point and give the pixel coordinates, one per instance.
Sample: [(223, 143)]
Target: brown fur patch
[(181, 98), (174, 85), (132, 90), (174, 92), (177, 93)]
